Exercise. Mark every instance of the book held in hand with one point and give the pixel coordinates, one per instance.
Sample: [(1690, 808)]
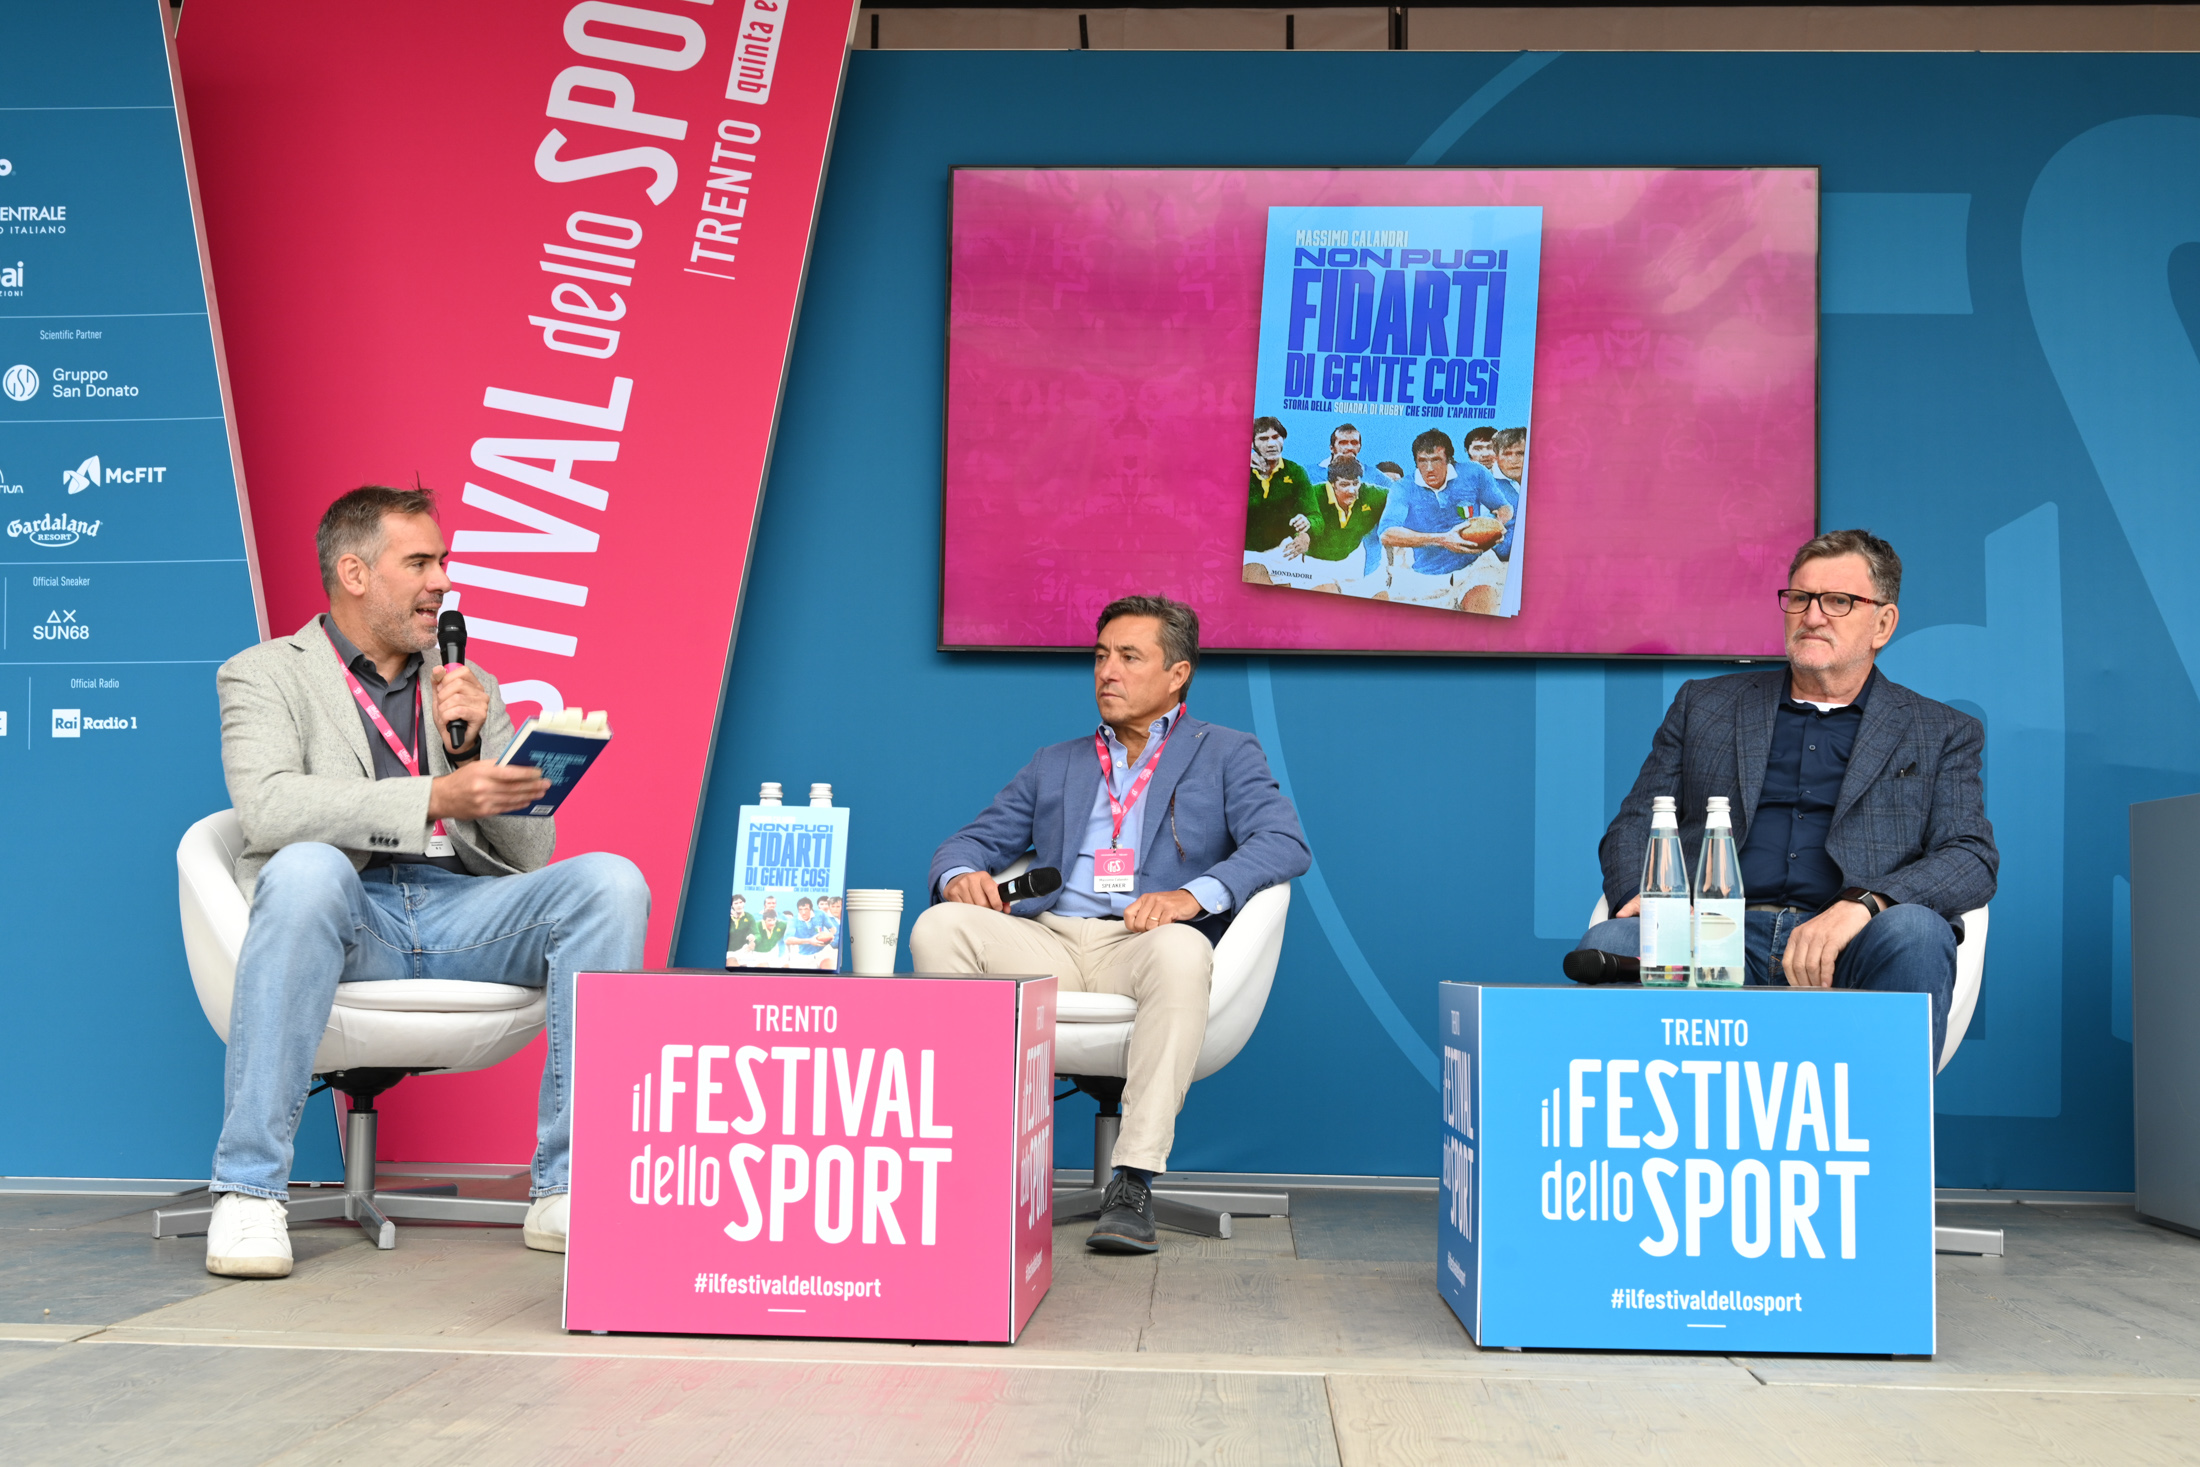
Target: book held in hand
[(562, 745)]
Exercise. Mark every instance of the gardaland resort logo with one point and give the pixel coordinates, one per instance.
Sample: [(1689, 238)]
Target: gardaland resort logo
[(52, 531)]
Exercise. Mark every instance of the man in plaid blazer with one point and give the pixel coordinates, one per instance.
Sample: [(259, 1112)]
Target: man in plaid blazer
[(1857, 807)]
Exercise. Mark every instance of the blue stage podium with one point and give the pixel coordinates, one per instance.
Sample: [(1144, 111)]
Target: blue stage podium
[(1686, 1169)]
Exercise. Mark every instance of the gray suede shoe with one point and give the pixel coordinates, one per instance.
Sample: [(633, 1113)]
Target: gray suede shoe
[(1126, 1218)]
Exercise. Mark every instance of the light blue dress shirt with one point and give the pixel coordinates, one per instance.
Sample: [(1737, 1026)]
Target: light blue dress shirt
[(1078, 899)]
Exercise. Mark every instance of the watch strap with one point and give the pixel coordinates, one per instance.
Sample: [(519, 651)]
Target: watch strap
[(1864, 899)]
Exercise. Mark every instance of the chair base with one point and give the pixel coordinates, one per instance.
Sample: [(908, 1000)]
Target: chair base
[(1985, 1242), (1207, 1214), (360, 1201), (1203, 1211)]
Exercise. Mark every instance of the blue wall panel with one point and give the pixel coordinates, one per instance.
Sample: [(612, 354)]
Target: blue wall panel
[(1978, 451), (109, 740)]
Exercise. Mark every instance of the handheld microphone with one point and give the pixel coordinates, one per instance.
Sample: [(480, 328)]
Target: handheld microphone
[(450, 636), (1032, 884), (1588, 965)]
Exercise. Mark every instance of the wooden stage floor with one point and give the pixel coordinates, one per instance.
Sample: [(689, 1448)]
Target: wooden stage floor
[(1319, 1339)]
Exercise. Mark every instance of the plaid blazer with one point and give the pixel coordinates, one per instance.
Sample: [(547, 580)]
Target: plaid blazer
[(1910, 821)]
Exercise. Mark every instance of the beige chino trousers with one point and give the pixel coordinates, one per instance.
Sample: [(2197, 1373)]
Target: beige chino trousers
[(1168, 970)]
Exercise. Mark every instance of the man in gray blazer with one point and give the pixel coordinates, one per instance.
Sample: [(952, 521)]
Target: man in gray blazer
[(1858, 812), (1162, 827), (377, 848)]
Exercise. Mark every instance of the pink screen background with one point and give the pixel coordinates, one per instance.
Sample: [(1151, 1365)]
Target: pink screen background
[(1103, 325)]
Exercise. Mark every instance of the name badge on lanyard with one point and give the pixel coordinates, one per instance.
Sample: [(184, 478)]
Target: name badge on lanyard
[(439, 840), (1115, 866)]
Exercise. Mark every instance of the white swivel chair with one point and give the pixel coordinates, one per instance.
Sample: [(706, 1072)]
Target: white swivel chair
[(1970, 973), (1092, 1042), (378, 1033)]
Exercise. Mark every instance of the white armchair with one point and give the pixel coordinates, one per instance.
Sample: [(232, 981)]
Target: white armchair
[(377, 1034), (1092, 1050)]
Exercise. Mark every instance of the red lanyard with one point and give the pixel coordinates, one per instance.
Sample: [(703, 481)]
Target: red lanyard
[(410, 758), (1120, 808)]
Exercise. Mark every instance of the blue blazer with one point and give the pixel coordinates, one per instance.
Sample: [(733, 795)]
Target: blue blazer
[(1212, 809), (1910, 820)]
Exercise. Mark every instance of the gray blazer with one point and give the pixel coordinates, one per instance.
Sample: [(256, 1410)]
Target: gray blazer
[(300, 769), (1910, 820)]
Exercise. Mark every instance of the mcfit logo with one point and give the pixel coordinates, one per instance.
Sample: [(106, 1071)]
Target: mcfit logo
[(89, 475)]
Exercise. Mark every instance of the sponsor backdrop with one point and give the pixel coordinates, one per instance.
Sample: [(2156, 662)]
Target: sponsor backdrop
[(2011, 281), (556, 285), (124, 580)]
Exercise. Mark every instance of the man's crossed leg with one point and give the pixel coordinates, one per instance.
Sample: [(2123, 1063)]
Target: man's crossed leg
[(317, 923)]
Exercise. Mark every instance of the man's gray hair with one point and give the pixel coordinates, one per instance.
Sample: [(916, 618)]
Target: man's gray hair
[(353, 524), (1179, 627), (1885, 565)]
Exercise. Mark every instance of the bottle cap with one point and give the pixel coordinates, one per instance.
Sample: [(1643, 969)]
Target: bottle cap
[(1661, 803), (821, 796), (770, 794), (1719, 802)]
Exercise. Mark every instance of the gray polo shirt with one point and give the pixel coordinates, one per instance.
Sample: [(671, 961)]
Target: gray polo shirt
[(400, 704)]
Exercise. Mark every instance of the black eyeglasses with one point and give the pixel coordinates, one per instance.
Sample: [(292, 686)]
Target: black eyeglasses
[(1832, 603)]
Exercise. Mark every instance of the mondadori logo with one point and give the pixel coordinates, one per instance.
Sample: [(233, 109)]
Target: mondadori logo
[(52, 531), (20, 382)]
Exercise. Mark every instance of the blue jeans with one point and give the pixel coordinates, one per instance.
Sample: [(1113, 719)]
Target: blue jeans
[(317, 923), (1905, 949)]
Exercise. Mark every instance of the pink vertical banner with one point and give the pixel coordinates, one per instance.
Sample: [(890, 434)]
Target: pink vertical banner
[(544, 258), (757, 1154)]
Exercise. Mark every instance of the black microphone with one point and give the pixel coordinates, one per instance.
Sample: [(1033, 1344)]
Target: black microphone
[(1031, 884), (1588, 965), (450, 635)]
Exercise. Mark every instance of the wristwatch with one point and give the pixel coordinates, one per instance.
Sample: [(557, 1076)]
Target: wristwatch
[(1867, 900)]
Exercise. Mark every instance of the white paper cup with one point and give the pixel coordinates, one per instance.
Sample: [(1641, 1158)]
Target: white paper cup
[(874, 930)]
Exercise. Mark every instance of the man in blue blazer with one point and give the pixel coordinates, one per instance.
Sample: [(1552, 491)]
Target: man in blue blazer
[(1155, 858), (1858, 812)]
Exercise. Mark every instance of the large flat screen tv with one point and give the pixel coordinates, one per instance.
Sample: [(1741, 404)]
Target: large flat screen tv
[(1125, 346)]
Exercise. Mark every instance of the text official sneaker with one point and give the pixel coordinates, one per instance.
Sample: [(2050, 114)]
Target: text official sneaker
[(545, 1226), (1126, 1218), (248, 1237)]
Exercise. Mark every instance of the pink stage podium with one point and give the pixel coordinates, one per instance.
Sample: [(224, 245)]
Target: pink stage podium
[(761, 1153)]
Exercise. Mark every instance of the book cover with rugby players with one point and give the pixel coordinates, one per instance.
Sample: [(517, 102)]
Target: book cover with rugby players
[(788, 883), (1390, 435)]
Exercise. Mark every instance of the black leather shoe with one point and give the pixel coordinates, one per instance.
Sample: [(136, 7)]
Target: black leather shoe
[(1126, 1218)]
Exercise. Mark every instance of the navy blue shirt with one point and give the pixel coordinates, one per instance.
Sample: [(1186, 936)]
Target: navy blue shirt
[(1784, 857)]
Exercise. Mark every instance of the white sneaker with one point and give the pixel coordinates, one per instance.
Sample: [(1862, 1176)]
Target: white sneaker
[(545, 1227), (248, 1238)]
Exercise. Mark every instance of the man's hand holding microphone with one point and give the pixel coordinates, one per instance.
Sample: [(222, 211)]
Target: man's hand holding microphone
[(476, 789)]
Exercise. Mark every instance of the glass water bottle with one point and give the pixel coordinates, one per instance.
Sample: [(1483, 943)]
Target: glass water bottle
[(1665, 919), (1720, 959)]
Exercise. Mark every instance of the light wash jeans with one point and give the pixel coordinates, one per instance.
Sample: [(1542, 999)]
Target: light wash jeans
[(1905, 949), (317, 923)]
